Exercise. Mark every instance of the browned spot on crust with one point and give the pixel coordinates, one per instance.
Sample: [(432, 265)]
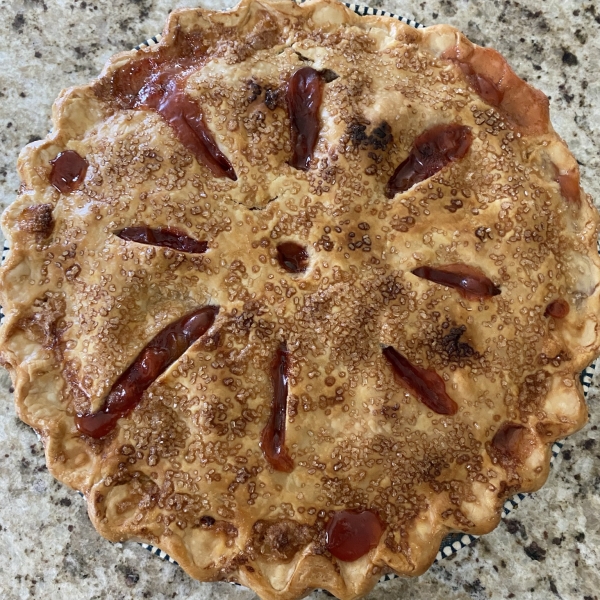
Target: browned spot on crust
[(509, 445), (533, 391), (378, 139), (280, 540), (272, 97), (451, 348), (45, 324), (37, 219)]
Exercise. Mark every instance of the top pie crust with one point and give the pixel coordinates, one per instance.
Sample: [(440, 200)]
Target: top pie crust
[(185, 470)]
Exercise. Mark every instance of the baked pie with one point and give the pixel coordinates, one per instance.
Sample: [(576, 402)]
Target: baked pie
[(294, 293)]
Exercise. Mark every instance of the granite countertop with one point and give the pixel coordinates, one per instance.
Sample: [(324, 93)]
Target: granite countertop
[(548, 548)]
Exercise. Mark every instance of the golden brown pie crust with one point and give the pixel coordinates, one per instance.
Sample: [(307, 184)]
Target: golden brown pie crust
[(185, 470)]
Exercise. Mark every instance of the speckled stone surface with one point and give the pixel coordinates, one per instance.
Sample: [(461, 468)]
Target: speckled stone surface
[(548, 548)]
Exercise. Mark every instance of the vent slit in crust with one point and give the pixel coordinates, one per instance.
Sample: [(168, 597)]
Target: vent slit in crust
[(166, 237), (293, 257), (558, 309), (161, 352), (158, 83), (470, 282), (168, 97), (426, 384), (431, 152), (272, 440), (304, 95)]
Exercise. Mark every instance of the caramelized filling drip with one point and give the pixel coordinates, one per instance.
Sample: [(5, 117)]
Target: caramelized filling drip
[(483, 85), (569, 185), (351, 534), (163, 236), (509, 442), (558, 309), (157, 82), (125, 84), (470, 282), (426, 384), (490, 76), (272, 440), (165, 94), (431, 152), (292, 257), (162, 351), (68, 171), (304, 95), (187, 52)]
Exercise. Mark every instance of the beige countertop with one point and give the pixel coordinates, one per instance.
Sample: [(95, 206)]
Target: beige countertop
[(548, 548)]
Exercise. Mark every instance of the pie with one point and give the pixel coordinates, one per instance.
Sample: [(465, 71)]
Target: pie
[(294, 293)]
